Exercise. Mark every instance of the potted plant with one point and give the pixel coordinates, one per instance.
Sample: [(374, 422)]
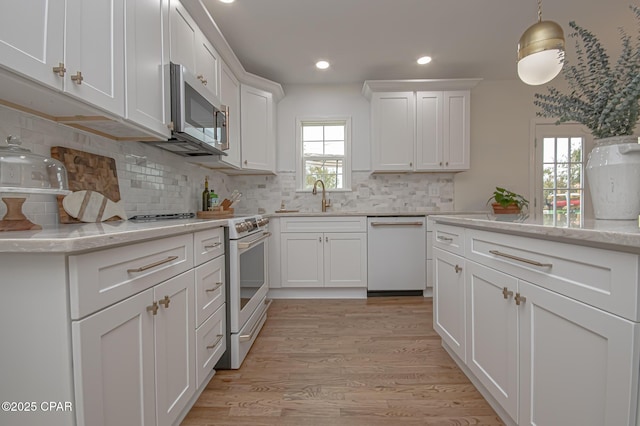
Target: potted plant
[(507, 202)]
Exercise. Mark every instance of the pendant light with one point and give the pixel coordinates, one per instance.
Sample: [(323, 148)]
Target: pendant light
[(540, 51)]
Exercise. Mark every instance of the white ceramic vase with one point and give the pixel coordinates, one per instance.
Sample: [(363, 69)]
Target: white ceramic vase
[(613, 172)]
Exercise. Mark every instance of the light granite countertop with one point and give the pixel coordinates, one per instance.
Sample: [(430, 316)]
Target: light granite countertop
[(87, 236), (623, 235)]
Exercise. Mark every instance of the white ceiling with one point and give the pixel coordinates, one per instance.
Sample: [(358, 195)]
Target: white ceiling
[(381, 39)]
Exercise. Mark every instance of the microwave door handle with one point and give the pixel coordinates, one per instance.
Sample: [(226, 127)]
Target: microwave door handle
[(250, 244)]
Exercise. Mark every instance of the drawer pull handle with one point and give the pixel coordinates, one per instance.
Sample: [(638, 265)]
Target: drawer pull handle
[(218, 285), (445, 239), (506, 293), (247, 337), (219, 337), (153, 265), (396, 223), (457, 269), (250, 244), (153, 308), (521, 259), (165, 302), (212, 246), (520, 299)]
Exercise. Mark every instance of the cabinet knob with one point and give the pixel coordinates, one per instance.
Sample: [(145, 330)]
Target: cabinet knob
[(202, 79), (165, 302), (458, 269), (520, 299), (441, 163), (60, 69), (77, 78), (326, 239), (319, 239), (153, 308), (506, 293)]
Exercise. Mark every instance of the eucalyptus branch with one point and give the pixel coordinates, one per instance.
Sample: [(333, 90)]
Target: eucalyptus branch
[(602, 97)]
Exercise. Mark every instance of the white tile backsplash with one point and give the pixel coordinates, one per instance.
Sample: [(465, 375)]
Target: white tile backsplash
[(150, 180), (154, 181)]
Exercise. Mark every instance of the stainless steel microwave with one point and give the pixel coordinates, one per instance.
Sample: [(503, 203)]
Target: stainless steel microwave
[(199, 121)]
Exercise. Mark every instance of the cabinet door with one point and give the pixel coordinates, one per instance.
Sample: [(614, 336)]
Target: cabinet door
[(492, 333), (113, 364), (456, 138), (302, 259), (94, 51), (31, 39), (449, 300), (576, 362), (147, 50), (183, 32), (230, 96), (345, 259), (393, 131), (207, 64), (258, 143), (175, 346), (429, 122)]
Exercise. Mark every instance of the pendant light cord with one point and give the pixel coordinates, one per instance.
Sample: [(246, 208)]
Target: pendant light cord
[(539, 10)]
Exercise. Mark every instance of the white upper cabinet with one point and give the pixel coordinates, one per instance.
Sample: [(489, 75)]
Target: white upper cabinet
[(147, 53), (108, 55), (31, 39), (207, 64), (191, 49), (393, 121), (94, 53), (230, 96), (421, 131), (257, 129), (183, 37), (73, 46)]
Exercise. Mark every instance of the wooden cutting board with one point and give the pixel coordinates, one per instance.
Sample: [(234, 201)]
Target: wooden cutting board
[(87, 171)]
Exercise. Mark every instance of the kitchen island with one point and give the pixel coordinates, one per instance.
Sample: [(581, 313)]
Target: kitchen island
[(544, 320)]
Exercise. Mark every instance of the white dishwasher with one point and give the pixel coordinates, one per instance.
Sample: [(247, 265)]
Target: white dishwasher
[(396, 253)]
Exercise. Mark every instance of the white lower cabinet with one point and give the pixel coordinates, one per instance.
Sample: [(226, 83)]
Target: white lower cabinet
[(330, 259), (137, 355), (542, 357), (322, 252), (448, 300), (114, 365)]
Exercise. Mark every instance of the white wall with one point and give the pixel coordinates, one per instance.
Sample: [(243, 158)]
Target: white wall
[(501, 114), (323, 101)]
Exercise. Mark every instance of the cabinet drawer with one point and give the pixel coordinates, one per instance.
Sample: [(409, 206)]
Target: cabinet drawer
[(208, 244), (602, 278), (449, 238), (324, 224), (101, 278), (210, 291), (210, 344)]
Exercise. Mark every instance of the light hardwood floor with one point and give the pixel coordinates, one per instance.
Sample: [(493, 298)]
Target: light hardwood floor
[(344, 362)]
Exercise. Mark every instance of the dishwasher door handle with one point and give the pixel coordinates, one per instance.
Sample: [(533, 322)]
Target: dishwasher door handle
[(397, 223)]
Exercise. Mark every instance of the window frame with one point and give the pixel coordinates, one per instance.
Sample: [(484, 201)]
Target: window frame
[(346, 164), (541, 128)]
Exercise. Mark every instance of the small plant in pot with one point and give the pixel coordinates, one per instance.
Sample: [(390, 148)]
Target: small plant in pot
[(507, 202)]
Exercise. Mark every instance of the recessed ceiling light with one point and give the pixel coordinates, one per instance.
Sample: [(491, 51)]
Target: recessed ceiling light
[(424, 60), (227, 1), (323, 65)]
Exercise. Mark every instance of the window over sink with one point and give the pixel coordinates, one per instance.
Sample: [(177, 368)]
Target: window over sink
[(323, 148)]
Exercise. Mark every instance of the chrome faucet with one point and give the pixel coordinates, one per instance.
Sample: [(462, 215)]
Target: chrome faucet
[(325, 203)]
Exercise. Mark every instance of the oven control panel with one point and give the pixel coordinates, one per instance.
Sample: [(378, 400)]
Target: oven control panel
[(240, 227)]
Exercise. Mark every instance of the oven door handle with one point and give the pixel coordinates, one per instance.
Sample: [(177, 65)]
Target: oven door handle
[(247, 337), (250, 244)]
